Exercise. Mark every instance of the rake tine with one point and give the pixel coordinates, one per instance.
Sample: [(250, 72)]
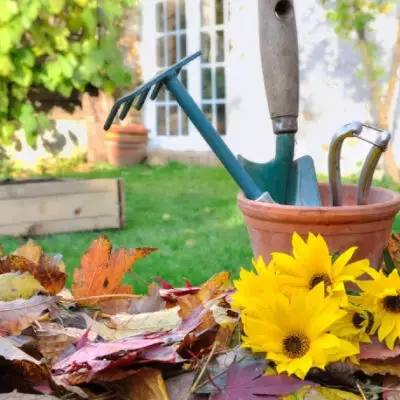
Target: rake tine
[(156, 90), (142, 99), (126, 108), (111, 116)]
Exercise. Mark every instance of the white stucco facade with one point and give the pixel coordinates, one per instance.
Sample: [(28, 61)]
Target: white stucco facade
[(330, 92)]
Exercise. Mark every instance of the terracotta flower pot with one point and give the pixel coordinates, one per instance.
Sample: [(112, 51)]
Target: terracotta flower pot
[(271, 226), (126, 145)]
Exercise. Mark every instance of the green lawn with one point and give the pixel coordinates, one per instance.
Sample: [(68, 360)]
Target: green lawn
[(188, 213)]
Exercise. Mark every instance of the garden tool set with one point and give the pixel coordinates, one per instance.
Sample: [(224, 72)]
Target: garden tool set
[(282, 180)]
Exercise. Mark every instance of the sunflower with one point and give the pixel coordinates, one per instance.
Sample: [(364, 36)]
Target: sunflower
[(355, 326), (293, 331), (312, 263), (253, 284), (381, 297)]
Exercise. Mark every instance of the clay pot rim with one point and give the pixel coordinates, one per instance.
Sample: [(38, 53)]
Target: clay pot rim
[(324, 214), (130, 129)]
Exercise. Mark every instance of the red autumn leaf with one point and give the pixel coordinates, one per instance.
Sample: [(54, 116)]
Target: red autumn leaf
[(94, 358), (188, 284), (377, 350), (17, 315), (164, 284), (101, 271), (376, 358), (249, 383)]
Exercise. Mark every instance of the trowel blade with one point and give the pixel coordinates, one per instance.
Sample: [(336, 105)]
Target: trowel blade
[(303, 189)]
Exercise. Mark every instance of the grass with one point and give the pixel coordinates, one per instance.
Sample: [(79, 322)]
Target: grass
[(189, 213)]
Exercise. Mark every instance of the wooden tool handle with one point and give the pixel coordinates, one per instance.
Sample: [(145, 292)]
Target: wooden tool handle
[(280, 62)]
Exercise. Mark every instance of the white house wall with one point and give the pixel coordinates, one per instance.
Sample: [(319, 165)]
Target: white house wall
[(330, 92)]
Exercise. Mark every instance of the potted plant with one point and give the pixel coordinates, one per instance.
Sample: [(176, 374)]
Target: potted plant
[(126, 144)]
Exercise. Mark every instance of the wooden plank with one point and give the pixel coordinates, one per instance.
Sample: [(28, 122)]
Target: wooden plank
[(40, 189), (70, 225), (47, 208), (37, 208)]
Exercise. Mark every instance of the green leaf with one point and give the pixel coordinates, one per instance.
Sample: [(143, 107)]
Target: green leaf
[(65, 89), (390, 265), (19, 92), (66, 68), (89, 19), (8, 9), (4, 100), (22, 76), (7, 132), (24, 113), (55, 6), (43, 121), (81, 3), (6, 65), (23, 56), (119, 75)]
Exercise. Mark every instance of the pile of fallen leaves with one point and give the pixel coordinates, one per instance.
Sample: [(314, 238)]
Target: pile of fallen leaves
[(101, 341)]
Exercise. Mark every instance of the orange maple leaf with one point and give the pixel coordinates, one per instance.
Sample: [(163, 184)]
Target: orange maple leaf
[(101, 271)]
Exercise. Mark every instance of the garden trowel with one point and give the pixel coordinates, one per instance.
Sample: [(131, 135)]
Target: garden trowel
[(287, 181)]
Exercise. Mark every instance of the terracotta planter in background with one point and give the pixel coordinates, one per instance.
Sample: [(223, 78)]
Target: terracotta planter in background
[(271, 226), (126, 145)]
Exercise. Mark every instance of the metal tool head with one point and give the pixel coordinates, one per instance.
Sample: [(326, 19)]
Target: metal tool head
[(352, 129), (301, 187), (367, 172), (143, 91)]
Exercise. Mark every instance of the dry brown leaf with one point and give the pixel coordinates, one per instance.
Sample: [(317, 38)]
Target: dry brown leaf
[(146, 384), (392, 388), (52, 339), (17, 315), (390, 366), (178, 387), (23, 396), (101, 271), (46, 271), (216, 285), (20, 369), (152, 302)]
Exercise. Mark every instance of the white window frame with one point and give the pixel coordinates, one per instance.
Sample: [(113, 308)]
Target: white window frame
[(148, 51)]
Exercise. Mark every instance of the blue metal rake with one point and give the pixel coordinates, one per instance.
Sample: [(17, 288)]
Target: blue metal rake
[(169, 79)]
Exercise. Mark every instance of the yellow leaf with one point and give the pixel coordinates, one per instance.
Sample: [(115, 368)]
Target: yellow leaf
[(321, 393), (159, 321), (14, 286), (146, 384), (81, 3), (30, 251)]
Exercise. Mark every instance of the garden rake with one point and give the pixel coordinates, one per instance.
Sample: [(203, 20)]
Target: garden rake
[(169, 79)]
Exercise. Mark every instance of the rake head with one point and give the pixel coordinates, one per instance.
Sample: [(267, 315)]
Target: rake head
[(143, 91)]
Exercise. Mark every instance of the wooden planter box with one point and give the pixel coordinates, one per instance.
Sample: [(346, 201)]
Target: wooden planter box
[(43, 206)]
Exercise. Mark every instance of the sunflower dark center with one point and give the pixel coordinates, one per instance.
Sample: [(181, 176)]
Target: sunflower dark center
[(392, 303), (359, 319), (296, 345), (318, 278)]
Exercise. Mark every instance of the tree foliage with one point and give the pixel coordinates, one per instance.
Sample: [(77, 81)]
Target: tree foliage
[(352, 19), (61, 45)]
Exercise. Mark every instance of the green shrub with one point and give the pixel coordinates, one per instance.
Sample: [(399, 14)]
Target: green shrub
[(60, 45)]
